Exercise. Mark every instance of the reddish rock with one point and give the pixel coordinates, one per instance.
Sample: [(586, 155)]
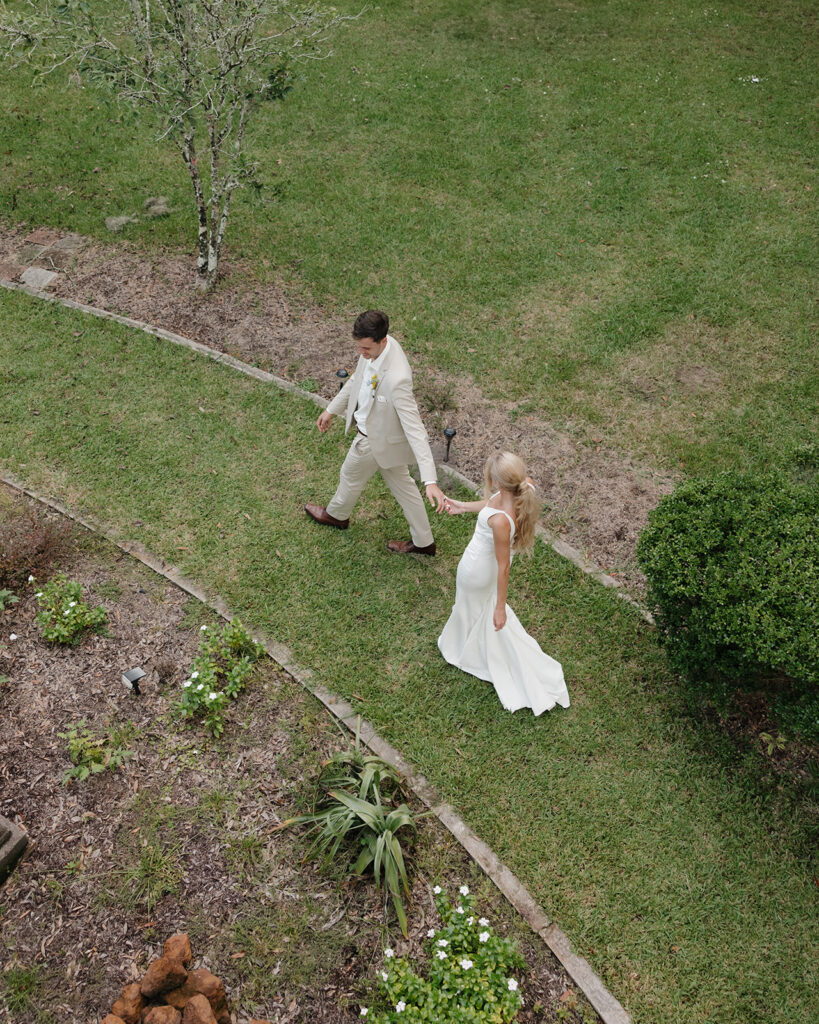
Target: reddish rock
[(162, 975), (129, 1005), (178, 947), (43, 236), (198, 1011), (259, 1021), (201, 982), (112, 1018), (161, 1015)]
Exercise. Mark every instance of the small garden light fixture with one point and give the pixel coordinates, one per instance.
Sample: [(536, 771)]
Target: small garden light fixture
[(131, 678), (449, 433), (342, 378)]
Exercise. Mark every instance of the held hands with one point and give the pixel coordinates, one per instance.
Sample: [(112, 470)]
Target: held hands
[(323, 422), (436, 497), (499, 617)]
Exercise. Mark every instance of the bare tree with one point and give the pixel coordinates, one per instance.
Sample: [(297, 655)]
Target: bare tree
[(199, 68)]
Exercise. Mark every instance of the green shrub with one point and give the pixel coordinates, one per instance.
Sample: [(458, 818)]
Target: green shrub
[(469, 977), (219, 673), (64, 616), (732, 564), (356, 815)]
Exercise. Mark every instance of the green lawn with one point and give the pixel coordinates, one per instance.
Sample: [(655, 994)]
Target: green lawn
[(604, 210), (673, 862)]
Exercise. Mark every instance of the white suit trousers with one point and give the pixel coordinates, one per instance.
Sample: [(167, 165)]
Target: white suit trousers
[(357, 469)]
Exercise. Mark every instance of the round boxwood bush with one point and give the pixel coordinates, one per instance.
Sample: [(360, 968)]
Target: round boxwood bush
[(732, 564)]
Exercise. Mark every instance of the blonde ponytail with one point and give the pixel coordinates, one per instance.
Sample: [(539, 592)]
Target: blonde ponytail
[(508, 471)]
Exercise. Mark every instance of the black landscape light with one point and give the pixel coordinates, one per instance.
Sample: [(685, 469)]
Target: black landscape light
[(342, 377), (449, 433), (131, 679)]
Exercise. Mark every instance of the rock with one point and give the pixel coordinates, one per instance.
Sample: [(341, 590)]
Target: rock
[(13, 841), (30, 252), (129, 1005), (157, 207), (37, 277), (162, 1015), (201, 982), (118, 223), (112, 1018), (43, 236), (68, 243), (162, 975), (178, 947), (198, 1011), (257, 1020)]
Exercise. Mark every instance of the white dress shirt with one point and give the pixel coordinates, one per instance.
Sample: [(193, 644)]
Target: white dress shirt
[(366, 393)]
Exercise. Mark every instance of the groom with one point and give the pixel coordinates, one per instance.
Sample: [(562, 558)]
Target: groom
[(389, 435)]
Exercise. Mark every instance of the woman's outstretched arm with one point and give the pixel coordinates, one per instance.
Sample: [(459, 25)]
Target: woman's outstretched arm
[(455, 507)]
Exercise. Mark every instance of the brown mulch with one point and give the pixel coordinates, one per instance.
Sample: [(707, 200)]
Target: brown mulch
[(595, 497), (72, 911)]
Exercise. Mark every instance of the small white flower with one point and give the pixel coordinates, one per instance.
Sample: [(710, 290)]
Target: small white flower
[(470, 920), (441, 954), (754, 78), (39, 593), (67, 611), (202, 629), (483, 937), (194, 675), (200, 687), (483, 922), (400, 1006), (388, 953), (364, 1011), (71, 604), (459, 910), (466, 964), (442, 943), (384, 976), (12, 636), (512, 985), (464, 890), (437, 890), (430, 933), (31, 579), (212, 696), (186, 684)]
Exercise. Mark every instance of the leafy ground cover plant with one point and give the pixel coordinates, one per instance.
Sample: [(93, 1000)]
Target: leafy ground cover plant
[(64, 615), (92, 754), (469, 977), (356, 815), (7, 599), (733, 570), (219, 673)]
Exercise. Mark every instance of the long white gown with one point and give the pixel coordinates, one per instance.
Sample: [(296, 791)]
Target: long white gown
[(522, 674)]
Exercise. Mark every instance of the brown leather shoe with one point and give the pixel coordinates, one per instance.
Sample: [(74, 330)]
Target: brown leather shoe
[(406, 547), (321, 515)]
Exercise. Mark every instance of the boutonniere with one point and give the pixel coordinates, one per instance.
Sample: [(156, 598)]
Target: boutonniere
[(374, 381)]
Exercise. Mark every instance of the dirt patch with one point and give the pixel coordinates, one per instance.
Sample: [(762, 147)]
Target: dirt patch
[(182, 837), (596, 498)]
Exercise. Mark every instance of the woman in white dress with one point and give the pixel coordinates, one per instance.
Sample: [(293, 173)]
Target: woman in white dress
[(483, 635)]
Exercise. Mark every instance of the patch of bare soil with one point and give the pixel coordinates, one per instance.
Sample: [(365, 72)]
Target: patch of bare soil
[(182, 837), (596, 498)]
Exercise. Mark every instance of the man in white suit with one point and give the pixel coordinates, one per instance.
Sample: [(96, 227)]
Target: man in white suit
[(378, 400)]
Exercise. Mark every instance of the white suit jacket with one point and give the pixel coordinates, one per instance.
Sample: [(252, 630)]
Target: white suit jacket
[(395, 431)]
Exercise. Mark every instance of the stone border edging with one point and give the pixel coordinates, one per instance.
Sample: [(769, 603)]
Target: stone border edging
[(562, 547), (577, 967)]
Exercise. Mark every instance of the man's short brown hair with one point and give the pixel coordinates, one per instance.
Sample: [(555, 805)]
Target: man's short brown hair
[(371, 324)]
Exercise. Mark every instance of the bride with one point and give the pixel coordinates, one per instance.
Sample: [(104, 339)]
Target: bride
[(483, 635)]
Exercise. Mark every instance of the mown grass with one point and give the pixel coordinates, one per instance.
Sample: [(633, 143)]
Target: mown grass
[(603, 208), (674, 863)]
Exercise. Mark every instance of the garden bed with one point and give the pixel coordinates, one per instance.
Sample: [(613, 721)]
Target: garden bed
[(182, 836)]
